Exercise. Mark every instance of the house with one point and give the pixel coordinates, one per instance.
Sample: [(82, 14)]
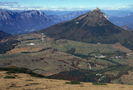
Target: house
[(100, 56), (30, 44), (99, 43), (118, 56), (98, 74), (111, 57)]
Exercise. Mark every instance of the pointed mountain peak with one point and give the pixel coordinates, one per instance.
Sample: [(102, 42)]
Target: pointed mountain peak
[(97, 9), (94, 14), (94, 17), (101, 14)]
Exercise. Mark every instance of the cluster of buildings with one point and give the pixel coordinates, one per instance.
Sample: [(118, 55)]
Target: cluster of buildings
[(116, 57), (102, 56)]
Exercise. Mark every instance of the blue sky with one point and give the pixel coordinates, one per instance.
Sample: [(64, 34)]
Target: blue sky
[(69, 5)]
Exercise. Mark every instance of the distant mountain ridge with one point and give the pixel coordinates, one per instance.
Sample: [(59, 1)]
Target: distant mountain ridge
[(121, 21), (92, 27), (28, 21), (14, 23)]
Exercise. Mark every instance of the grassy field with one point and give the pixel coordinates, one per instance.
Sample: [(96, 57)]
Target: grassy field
[(26, 82), (54, 56), (83, 48)]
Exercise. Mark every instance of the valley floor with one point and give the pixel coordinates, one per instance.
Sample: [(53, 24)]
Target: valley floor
[(67, 60), (26, 82)]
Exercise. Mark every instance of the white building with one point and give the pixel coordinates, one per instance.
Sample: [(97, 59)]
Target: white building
[(30, 44), (100, 56)]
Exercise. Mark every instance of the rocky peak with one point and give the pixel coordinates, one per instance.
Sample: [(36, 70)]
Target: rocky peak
[(96, 9), (5, 15), (94, 17), (99, 12), (35, 12), (32, 13)]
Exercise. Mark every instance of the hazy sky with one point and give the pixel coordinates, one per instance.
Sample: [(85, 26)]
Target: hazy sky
[(66, 4)]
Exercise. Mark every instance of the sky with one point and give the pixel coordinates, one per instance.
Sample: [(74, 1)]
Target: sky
[(66, 5)]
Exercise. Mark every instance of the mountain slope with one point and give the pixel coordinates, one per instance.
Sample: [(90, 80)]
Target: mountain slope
[(3, 34), (92, 27), (127, 28)]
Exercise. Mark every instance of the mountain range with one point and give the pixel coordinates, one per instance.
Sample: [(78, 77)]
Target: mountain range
[(28, 21), (24, 22), (17, 22)]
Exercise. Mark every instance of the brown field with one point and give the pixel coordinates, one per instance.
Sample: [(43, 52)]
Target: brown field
[(119, 46), (24, 49), (128, 78), (26, 82)]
